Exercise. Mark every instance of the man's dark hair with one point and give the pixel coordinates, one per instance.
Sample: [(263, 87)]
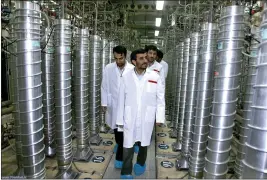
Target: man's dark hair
[(135, 52), (160, 54), (151, 47), (120, 50)]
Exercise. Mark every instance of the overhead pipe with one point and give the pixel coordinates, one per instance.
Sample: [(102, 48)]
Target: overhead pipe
[(255, 161), (226, 87), (28, 63)]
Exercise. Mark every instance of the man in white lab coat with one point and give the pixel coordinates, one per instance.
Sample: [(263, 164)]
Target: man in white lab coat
[(152, 63), (162, 62), (112, 75), (141, 101)]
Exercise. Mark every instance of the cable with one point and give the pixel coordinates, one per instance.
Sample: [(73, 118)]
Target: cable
[(51, 31)]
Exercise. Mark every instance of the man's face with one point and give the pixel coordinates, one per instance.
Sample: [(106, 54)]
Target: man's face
[(141, 61), (120, 59), (151, 56)]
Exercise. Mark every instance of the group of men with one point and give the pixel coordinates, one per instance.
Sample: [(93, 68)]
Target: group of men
[(133, 98)]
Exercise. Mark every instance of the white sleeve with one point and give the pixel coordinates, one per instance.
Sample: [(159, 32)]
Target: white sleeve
[(104, 88), (166, 70), (121, 102), (162, 75), (160, 113)]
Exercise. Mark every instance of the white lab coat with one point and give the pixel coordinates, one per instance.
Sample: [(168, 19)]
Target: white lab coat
[(157, 67), (165, 67), (110, 91), (140, 103)]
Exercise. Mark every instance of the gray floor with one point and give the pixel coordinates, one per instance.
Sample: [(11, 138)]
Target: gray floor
[(112, 173)]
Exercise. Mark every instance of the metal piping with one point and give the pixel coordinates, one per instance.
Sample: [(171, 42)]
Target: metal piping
[(251, 79), (49, 94), (226, 88), (255, 162), (81, 89), (183, 161), (28, 63), (200, 124), (62, 41), (95, 47)]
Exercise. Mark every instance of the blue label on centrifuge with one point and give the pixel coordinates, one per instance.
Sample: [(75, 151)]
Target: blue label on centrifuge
[(68, 49), (50, 50), (220, 45), (35, 43), (253, 53), (264, 34)]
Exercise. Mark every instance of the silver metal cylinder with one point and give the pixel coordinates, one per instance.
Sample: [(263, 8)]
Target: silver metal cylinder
[(247, 105), (226, 87), (183, 160), (81, 89), (14, 93), (110, 53), (26, 24), (105, 60), (48, 92), (62, 41), (183, 90), (200, 123), (95, 47), (255, 161)]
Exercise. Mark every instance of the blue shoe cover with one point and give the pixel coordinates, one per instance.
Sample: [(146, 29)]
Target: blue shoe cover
[(126, 177), (139, 170), (115, 148), (136, 149), (118, 164)]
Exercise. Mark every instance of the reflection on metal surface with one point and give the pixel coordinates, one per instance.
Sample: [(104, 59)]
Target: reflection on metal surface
[(226, 88), (26, 24), (201, 121), (81, 87)]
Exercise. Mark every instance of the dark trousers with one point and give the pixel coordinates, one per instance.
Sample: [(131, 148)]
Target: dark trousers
[(128, 154), (119, 141)]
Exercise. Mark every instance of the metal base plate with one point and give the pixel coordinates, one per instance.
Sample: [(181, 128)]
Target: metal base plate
[(83, 154), (176, 146), (19, 172), (50, 151), (182, 163), (173, 134), (67, 174), (96, 140), (103, 129)]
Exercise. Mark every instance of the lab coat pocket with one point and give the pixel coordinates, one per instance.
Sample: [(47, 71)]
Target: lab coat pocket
[(127, 117), (151, 87), (150, 114)]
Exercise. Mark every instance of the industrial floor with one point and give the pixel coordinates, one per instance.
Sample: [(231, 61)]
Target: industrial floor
[(106, 170)]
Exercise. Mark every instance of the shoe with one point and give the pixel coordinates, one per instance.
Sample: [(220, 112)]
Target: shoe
[(118, 164), (136, 149), (139, 170), (126, 176), (115, 148)]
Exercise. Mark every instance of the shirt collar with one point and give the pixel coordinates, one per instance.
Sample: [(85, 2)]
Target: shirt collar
[(140, 74)]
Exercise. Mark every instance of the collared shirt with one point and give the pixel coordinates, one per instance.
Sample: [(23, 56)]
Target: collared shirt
[(151, 64), (121, 70), (139, 76)]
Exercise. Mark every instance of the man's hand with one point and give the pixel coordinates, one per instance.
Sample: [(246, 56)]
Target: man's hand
[(104, 108)]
